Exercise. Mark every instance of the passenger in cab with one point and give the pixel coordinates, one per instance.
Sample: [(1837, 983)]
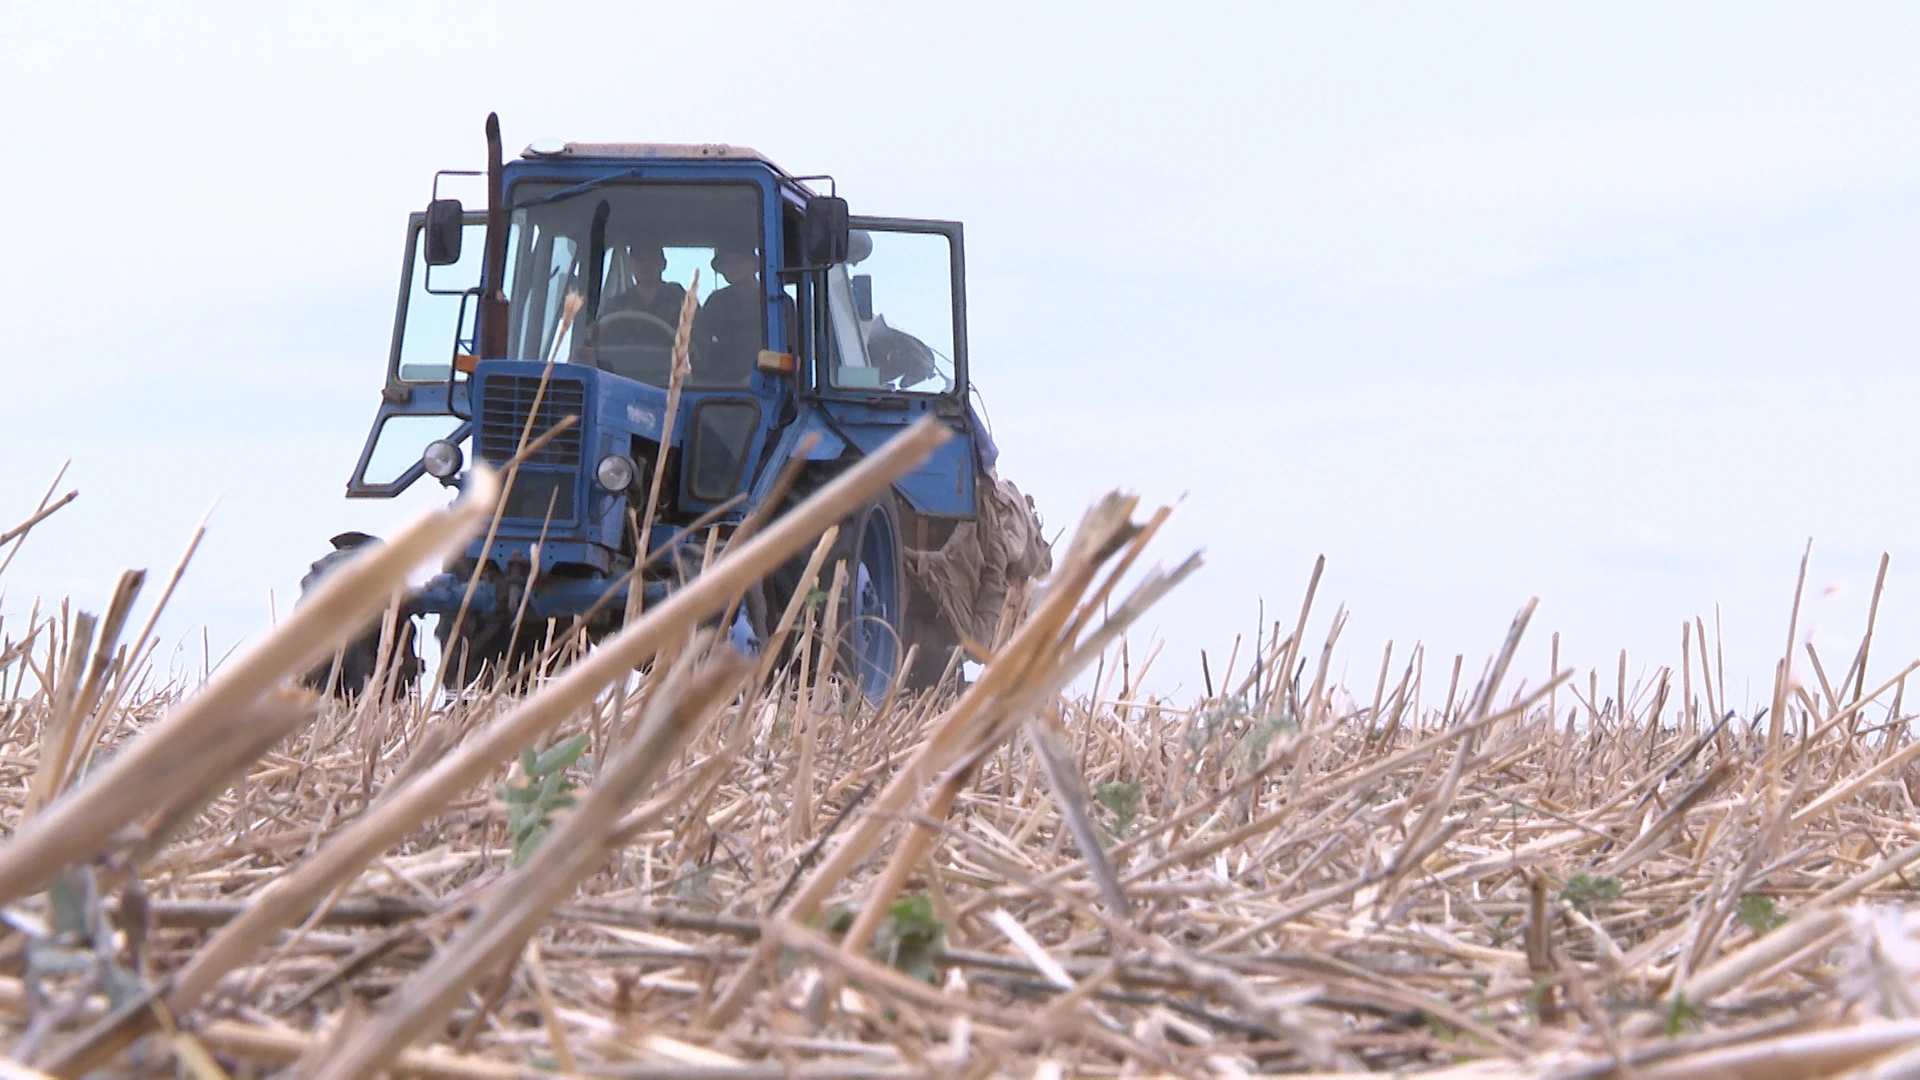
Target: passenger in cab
[(727, 335)]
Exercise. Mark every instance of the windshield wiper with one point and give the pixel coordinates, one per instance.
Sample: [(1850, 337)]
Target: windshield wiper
[(569, 192)]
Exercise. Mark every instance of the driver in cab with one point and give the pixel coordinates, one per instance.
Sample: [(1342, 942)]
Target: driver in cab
[(638, 313)]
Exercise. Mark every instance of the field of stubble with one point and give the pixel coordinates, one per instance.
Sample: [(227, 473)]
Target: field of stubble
[(659, 859)]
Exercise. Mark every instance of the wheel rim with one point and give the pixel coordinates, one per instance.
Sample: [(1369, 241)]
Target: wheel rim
[(876, 607)]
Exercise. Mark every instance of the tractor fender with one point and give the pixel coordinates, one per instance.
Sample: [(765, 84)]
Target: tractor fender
[(827, 447)]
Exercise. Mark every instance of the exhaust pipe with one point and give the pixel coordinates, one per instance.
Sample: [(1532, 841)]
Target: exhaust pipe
[(493, 301)]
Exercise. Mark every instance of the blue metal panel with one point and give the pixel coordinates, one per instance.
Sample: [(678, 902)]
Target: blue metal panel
[(827, 447), (943, 484)]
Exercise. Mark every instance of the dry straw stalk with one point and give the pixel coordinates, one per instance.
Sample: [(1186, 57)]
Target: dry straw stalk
[(1052, 870)]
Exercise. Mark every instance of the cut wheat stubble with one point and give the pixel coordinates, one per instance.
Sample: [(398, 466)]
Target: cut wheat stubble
[(1313, 883)]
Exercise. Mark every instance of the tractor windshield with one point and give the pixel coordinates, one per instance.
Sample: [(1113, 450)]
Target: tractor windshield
[(631, 249)]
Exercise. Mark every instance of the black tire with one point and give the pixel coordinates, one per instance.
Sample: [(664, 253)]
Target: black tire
[(849, 547), (359, 660), (872, 625)]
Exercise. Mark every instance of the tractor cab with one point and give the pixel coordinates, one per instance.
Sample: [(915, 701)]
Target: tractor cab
[(633, 229), (564, 297)]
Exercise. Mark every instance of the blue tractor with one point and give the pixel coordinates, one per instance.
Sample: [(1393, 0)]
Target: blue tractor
[(815, 335)]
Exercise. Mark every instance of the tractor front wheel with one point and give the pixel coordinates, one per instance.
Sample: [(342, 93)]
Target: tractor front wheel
[(359, 660)]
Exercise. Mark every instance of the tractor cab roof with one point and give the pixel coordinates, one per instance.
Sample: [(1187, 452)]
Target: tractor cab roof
[(648, 152), (554, 150)]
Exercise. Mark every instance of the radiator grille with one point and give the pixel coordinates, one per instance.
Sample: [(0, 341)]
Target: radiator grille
[(535, 494), (504, 403)]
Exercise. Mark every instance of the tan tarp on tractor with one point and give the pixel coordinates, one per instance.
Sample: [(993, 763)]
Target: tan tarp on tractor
[(987, 565)]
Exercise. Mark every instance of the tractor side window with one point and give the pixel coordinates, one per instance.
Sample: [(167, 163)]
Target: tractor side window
[(436, 323), (401, 440), (891, 314), (543, 271)]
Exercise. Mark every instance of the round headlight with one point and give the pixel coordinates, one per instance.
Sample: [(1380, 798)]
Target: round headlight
[(442, 459), (615, 472)]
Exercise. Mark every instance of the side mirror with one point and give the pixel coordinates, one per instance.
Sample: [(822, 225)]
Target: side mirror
[(823, 231), (445, 226), (862, 296)]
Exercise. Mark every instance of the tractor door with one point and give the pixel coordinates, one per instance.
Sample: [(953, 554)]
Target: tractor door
[(425, 394), (892, 347)]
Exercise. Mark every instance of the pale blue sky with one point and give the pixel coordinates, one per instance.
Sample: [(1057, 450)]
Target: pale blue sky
[(1613, 308)]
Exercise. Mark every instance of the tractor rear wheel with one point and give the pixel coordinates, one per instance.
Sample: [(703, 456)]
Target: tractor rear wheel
[(872, 621)]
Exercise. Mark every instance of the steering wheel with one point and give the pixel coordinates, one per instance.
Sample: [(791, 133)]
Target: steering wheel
[(645, 318)]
